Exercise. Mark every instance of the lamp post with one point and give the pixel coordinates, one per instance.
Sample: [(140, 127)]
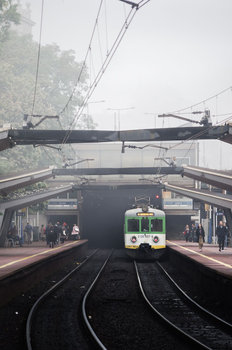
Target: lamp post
[(118, 111)]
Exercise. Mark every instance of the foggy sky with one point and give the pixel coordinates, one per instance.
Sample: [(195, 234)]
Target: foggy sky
[(174, 54)]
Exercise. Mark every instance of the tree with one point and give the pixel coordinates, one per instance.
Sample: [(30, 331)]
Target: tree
[(58, 71), (8, 15)]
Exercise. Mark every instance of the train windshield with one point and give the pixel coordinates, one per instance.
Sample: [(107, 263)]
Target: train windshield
[(145, 225), (133, 225), (156, 225)]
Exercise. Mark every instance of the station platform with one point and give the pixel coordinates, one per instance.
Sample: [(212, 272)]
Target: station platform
[(14, 259), (210, 256)]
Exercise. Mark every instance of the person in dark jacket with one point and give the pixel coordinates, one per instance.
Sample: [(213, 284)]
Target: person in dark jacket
[(193, 237), (227, 233), (28, 231), (200, 233), (221, 233), (186, 233), (58, 231), (50, 235)]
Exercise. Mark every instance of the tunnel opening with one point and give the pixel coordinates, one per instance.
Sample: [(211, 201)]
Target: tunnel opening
[(102, 214)]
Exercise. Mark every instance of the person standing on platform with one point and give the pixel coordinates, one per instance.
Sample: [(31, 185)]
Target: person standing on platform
[(221, 232), (200, 233), (58, 231), (51, 235), (227, 233), (75, 232), (193, 233), (187, 233), (28, 230)]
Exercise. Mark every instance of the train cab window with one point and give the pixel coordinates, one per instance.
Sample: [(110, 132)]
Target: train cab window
[(133, 225), (156, 225), (145, 224)]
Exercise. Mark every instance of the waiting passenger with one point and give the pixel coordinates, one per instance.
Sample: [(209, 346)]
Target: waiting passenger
[(58, 231), (221, 233), (200, 233), (75, 232), (13, 236), (28, 233), (50, 235), (186, 233), (193, 237), (227, 234)]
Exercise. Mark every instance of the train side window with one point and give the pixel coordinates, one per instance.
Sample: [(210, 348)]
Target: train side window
[(145, 225), (133, 225), (156, 225)]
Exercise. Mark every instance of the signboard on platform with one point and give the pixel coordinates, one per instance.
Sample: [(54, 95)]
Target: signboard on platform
[(19, 213), (62, 204), (178, 203)]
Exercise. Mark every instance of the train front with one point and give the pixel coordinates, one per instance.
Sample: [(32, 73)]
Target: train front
[(145, 233)]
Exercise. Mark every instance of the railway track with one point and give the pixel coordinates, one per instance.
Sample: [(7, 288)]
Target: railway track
[(101, 296), (53, 321), (116, 315), (190, 321)]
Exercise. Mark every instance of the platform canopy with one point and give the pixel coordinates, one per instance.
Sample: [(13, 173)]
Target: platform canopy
[(217, 178), (27, 200), (19, 180), (216, 199)]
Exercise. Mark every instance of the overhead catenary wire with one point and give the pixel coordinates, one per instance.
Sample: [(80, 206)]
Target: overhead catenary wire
[(102, 69), (204, 101), (38, 58), (84, 64), (99, 74), (49, 154), (202, 132)]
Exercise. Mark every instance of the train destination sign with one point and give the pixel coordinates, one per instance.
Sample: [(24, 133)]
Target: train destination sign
[(145, 214)]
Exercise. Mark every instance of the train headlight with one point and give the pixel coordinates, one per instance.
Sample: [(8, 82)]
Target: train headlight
[(133, 239), (155, 239)]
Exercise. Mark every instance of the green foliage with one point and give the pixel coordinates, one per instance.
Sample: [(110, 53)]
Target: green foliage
[(8, 15), (58, 71)]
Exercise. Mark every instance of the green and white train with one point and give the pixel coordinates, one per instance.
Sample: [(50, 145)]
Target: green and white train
[(145, 233)]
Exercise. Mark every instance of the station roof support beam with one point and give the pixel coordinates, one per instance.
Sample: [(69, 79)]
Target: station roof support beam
[(217, 199), (220, 179), (120, 171), (14, 137)]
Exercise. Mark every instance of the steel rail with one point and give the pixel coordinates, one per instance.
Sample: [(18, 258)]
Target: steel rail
[(185, 335), (85, 317), (45, 295), (211, 315)]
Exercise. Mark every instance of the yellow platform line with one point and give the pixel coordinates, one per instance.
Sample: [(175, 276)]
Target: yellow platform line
[(34, 255), (204, 256)]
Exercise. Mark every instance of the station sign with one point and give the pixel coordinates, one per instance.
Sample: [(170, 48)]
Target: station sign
[(19, 213)]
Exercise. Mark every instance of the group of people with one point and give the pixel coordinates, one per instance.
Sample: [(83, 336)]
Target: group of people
[(55, 234), (52, 234), (14, 237), (197, 234)]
